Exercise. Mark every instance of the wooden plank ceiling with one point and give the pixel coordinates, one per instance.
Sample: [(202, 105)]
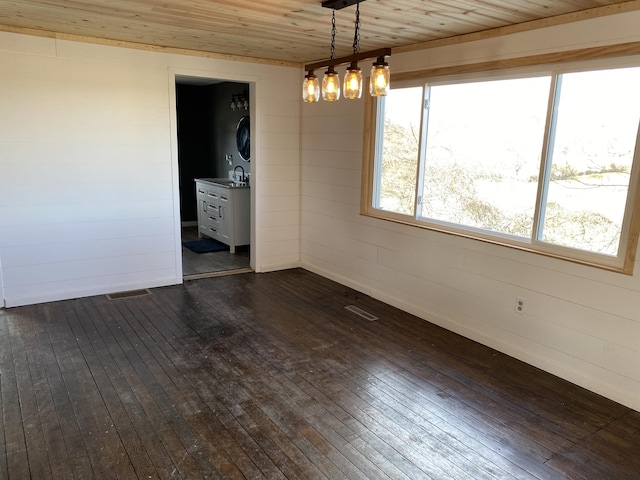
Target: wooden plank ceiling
[(288, 31)]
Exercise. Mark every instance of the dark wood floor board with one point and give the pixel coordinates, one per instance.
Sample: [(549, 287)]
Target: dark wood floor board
[(307, 443), (107, 376), (288, 390), (442, 363), (484, 437), (330, 426), (418, 444), (477, 396), (106, 452), (606, 406), (485, 360), (152, 444), (443, 398), (166, 401), (257, 417), (173, 378), (563, 419), (50, 458), (15, 445), (48, 327), (244, 428), (417, 472), (631, 418), (365, 386), (445, 438), (314, 368), (321, 428), (456, 399), (4, 340), (151, 420), (206, 386), (410, 405), (291, 460), (618, 443), (263, 462), (575, 413), (333, 353), (291, 392), (268, 376)]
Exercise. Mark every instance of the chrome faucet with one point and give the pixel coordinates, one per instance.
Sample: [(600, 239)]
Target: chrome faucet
[(243, 178)]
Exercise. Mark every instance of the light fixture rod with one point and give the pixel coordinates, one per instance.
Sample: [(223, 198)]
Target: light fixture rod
[(381, 52), (339, 4)]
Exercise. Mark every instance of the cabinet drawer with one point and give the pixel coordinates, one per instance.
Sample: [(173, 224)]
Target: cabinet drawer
[(211, 220), (212, 194), (208, 208), (216, 193), (209, 231)]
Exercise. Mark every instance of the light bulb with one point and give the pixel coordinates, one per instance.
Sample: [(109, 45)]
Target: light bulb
[(380, 76), (310, 88), (330, 85), (353, 82)]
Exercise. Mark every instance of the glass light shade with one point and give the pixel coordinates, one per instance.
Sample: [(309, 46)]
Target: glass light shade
[(310, 88), (330, 86), (353, 82), (380, 79)]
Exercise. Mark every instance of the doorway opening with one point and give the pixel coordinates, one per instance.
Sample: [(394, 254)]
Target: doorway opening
[(208, 113)]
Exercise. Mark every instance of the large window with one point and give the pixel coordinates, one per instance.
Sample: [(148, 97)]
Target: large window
[(539, 161)]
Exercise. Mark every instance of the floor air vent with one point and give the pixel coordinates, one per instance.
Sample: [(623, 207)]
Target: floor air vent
[(362, 313), (129, 294)]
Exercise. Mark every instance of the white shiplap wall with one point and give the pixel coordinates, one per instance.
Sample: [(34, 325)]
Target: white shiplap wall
[(581, 323), (88, 167)]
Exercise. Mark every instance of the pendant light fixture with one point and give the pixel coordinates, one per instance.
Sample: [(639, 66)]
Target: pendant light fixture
[(353, 75), (331, 80), (379, 80), (352, 86), (310, 88)]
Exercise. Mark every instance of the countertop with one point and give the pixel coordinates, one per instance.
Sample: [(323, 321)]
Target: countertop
[(223, 182)]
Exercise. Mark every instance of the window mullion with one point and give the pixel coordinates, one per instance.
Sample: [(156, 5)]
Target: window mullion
[(377, 151), (546, 158), (422, 152)]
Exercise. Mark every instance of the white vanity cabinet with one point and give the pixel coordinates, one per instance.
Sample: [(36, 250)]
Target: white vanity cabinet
[(223, 211)]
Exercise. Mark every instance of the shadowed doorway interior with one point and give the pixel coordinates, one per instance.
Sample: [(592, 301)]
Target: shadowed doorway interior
[(206, 127)]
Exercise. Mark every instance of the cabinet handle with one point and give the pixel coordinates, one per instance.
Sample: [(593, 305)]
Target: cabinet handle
[(220, 210), (201, 191), (204, 206)]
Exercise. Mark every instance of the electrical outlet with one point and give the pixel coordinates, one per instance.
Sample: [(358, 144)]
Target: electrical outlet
[(520, 305)]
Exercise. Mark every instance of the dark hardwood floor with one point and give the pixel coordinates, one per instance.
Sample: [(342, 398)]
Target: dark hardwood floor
[(269, 376)]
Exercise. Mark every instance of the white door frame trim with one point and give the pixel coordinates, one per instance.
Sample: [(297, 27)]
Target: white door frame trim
[(175, 73)]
